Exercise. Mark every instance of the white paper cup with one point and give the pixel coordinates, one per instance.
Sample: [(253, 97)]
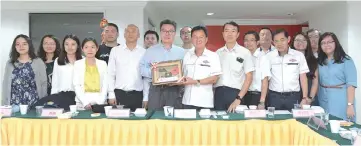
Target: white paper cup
[(107, 108), (306, 106), (253, 107), (168, 111), (73, 108), (335, 126), (23, 109)]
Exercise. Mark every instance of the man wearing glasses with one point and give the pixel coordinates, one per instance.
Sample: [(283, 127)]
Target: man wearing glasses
[(162, 95), (185, 35), (314, 36), (288, 67)]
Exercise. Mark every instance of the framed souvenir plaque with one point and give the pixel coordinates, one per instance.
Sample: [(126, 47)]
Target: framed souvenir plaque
[(167, 72)]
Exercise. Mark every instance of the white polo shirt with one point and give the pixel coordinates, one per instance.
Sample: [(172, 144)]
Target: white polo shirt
[(235, 63), (286, 70), (261, 69), (198, 68)]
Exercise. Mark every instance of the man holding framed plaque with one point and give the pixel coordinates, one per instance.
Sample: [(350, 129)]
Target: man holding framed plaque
[(201, 69), (161, 63)]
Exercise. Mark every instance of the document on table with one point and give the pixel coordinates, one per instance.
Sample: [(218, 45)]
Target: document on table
[(282, 112)]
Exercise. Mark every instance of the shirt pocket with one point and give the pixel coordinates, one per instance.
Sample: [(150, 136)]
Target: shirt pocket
[(203, 71), (292, 67), (236, 67)]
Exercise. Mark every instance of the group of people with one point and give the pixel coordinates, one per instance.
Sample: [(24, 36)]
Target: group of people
[(271, 70)]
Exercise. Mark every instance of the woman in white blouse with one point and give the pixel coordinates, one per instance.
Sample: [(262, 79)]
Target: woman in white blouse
[(89, 80), (62, 91)]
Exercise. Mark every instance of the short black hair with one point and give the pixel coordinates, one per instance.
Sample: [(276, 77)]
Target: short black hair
[(256, 35), (267, 28), (152, 32), (278, 31), (199, 27), (231, 23), (167, 21), (312, 30), (114, 25)]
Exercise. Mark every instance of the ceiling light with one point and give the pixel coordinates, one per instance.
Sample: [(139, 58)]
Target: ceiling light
[(290, 14), (210, 14)]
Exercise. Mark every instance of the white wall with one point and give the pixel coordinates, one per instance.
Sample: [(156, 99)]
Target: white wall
[(342, 18), (331, 17), (354, 37)]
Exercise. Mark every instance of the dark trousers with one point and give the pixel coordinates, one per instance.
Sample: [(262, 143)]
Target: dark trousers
[(224, 97), (163, 95), (130, 99), (62, 99), (251, 98), (283, 101)]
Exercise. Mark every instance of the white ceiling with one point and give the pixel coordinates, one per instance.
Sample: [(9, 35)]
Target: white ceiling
[(194, 12)]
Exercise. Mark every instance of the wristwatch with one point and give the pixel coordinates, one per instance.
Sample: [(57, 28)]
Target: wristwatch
[(349, 104), (239, 98), (261, 103), (198, 82)]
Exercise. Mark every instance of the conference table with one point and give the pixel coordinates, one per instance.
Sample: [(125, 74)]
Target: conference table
[(157, 129)]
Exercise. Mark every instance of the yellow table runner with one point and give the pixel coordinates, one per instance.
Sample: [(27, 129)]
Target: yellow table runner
[(16, 131)]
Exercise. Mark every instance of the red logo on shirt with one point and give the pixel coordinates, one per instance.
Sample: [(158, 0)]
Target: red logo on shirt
[(293, 60)]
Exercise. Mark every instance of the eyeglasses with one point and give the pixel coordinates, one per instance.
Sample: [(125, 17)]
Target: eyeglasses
[(49, 44), (327, 43), (313, 36), (185, 33), (300, 41), (168, 32)]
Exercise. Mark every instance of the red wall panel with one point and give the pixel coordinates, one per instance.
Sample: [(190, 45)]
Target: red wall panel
[(215, 38)]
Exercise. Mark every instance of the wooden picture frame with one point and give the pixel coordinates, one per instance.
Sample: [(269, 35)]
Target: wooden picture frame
[(167, 72)]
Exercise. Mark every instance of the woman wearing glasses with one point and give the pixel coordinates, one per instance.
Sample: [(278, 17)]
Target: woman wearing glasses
[(302, 43), (338, 78)]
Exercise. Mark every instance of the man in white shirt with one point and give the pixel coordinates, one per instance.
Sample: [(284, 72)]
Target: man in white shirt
[(201, 68), (237, 67), (288, 67), (125, 80), (257, 92)]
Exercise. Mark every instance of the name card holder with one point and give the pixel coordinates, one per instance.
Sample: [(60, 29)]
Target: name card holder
[(316, 123), (51, 112), (255, 114), (6, 111), (300, 113), (118, 113), (185, 113)]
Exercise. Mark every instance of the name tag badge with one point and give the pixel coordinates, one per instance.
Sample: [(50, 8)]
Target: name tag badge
[(5, 111), (206, 65), (255, 113), (51, 112), (292, 63), (118, 113), (300, 113), (185, 113)]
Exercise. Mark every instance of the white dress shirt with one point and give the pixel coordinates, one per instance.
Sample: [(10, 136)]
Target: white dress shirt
[(124, 69), (261, 69), (84, 98), (233, 71), (62, 80), (197, 68), (286, 70)]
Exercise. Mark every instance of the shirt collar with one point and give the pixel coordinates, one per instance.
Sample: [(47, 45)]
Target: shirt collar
[(225, 49), (205, 52), (269, 50), (290, 51)]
